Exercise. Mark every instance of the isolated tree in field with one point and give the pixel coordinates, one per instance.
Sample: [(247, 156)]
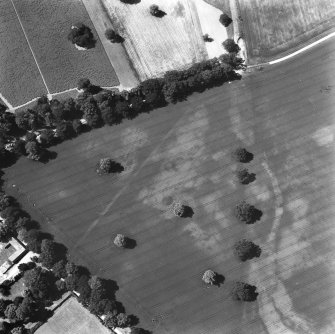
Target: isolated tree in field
[(209, 277), (113, 36), (81, 35), (104, 166), (225, 19), (247, 213), (120, 240), (206, 38), (244, 177), (230, 46), (244, 292), (154, 10), (246, 250), (84, 84), (242, 155)]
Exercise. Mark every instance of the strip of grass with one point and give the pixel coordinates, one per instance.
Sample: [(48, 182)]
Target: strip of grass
[(20, 80), (47, 24)]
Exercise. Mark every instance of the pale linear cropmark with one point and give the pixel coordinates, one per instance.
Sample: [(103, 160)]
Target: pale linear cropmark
[(121, 191), (274, 296)]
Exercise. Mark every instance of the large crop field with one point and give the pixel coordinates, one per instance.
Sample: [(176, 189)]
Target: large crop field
[(20, 80), (47, 24), (284, 115), (156, 45), (273, 26)]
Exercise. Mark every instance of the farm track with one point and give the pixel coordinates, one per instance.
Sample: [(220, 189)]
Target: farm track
[(272, 112)]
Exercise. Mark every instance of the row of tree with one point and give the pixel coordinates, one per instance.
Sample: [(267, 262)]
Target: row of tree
[(61, 120)]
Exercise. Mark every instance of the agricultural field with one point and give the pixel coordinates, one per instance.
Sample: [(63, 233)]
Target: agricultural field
[(20, 80), (272, 27), (47, 24), (72, 318), (284, 116), (156, 45)]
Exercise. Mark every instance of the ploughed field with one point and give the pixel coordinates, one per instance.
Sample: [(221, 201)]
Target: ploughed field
[(18, 68), (158, 44), (284, 116), (296, 22), (46, 25)]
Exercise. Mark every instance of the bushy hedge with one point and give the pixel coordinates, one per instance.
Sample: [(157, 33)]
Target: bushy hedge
[(55, 121)]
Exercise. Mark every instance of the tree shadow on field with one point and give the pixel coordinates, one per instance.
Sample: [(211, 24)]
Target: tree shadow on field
[(188, 212), (47, 156), (111, 288), (131, 243), (131, 2), (117, 168), (160, 13), (219, 280), (256, 216)]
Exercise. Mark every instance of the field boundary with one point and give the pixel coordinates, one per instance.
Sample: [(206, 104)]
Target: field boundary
[(295, 53), (31, 49), (120, 87)]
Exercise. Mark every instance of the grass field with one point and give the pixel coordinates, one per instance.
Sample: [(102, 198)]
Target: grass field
[(47, 24), (296, 22), (20, 80), (284, 115), (156, 45), (72, 318)]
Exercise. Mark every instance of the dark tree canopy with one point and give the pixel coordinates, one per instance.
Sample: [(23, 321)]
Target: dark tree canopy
[(65, 130), (81, 35), (247, 213), (40, 282), (246, 250), (244, 177), (10, 312), (59, 269), (34, 151), (244, 292), (47, 137), (225, 19), (113, 36), (49, 255), (242, 155), (230, 46)]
